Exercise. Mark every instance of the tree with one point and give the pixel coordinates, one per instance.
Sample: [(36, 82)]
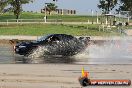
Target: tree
[(107, 5), (126, 5), (17, 6), (3, 4), (51, 7)]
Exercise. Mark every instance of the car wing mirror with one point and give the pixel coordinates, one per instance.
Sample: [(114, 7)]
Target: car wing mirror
[(56, 41)]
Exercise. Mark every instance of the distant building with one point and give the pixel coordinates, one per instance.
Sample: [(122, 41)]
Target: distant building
[(61, 11), (65, 11)]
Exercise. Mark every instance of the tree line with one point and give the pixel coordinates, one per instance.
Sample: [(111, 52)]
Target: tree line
[(15, 6), (105, 5), (108, 5)]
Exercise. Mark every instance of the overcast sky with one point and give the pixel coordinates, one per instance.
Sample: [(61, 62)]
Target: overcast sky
[(82, 6)]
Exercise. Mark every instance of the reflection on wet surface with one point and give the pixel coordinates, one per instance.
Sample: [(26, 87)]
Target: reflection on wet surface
[(94, 55), (49, 59), (7, 56)]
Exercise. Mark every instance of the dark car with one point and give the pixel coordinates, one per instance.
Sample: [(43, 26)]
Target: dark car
[(54, 44)]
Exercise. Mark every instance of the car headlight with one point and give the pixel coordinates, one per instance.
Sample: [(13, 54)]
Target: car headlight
[(22, 46)]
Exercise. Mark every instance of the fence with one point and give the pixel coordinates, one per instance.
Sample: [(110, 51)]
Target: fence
[(29, 21), (34, 20), (39, 21)]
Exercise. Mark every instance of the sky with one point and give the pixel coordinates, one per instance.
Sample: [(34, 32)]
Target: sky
[(81, 6)]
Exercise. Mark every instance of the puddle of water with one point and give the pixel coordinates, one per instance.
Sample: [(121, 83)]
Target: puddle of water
[(110, 52)]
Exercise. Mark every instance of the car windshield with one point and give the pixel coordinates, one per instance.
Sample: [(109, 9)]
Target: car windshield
[(43, 38)]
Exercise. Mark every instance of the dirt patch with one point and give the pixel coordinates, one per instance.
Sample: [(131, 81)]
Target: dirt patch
[(11, 42)]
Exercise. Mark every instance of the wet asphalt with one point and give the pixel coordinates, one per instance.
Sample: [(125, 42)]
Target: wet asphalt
[(7, 56)]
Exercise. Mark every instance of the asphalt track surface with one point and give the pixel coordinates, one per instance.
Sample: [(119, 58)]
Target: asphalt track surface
[(58, 72)]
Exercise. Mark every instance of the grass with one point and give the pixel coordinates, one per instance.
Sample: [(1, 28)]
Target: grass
[(65, 18), (43, 29)]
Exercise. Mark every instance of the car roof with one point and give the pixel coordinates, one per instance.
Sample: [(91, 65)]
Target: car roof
[(62, 36), (59, 34)]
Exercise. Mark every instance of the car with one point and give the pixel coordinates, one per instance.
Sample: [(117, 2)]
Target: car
[(54, 44)]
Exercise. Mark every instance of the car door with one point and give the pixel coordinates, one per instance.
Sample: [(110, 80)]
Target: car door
[(65, 44), (53, 44)]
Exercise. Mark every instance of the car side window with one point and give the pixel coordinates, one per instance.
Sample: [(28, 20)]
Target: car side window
[(44, 39), (53, 39)]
